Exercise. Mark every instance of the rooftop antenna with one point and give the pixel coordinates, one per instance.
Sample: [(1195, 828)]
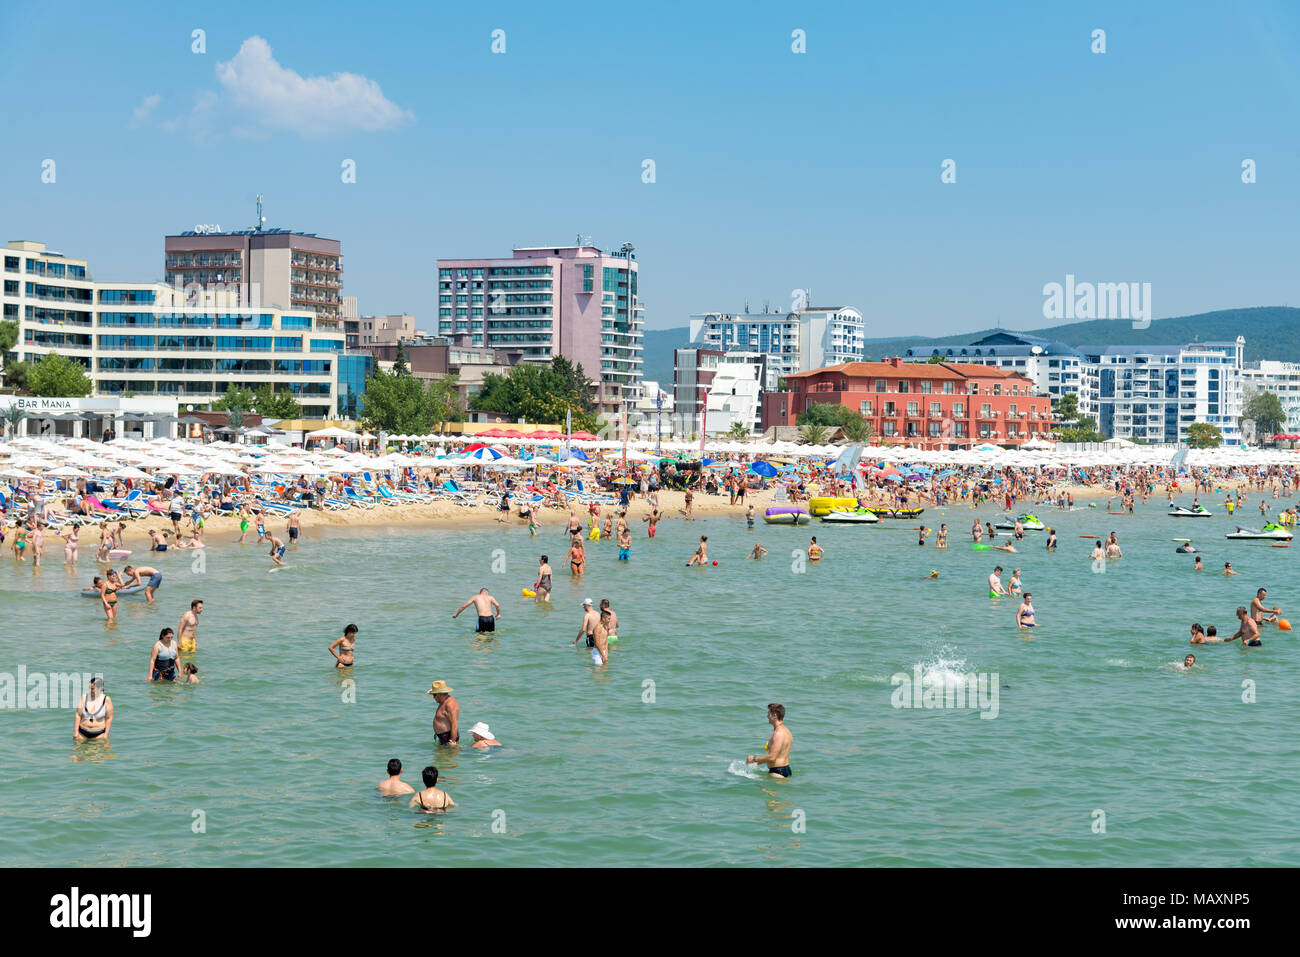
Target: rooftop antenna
[(746, 305), (260, 218)]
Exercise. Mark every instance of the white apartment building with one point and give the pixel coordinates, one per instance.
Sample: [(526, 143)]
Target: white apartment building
[(735, 394), (1154, 393), (1280, 378), (797, 341), (1052, 366), (152, 339)]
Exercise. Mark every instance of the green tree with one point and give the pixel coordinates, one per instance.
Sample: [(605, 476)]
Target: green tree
[(8, 339), (1067, 407), (1202, 435), (15, 374), (1083, 430), (935, 358), (538, 393), (738, 431), (275, 405), (240, 399), (856, 429), (814, 434), (400, 365), (403, 404), (1266, 409), (57, 375)]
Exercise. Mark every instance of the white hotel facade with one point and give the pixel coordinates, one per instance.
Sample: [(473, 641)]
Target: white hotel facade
[(797, 341), (152, 339)]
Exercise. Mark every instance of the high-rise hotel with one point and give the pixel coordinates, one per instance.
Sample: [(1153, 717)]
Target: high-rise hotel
[(152, 339), (574, 301)]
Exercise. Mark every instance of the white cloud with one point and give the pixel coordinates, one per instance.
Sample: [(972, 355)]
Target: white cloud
[(140, 113), (314, 106)]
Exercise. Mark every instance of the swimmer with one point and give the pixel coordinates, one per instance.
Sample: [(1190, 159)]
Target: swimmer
[(543, 584), (777, 758), (483, 736), (1188, 662), (1112, 549), (1259, 612), (995, 582), (188, 632), (1025, 613), (1098, 553), (1014, 586), (1051, 539), (446, 720), (431, 800), (814, 551), (749, 515), (488, 608), (157, 541), (347, 645), (758, 552), (162, 660), (1249, 630), (1199, 566), (191, 673), (701, 556), (590, 620), (922, 533), (393, 785), (1007, 547), (1229, 570), (934, 573), (135, 576), (94, 714), (577, 557), (1201, 637), (1187, 548), (624, 542)]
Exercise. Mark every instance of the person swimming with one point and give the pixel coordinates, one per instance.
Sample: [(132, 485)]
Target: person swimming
[(431, 800)]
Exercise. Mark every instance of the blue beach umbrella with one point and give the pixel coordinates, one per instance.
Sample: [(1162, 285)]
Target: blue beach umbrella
[(763, 469)]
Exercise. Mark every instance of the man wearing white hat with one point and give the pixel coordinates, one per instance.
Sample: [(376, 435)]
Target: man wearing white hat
[(483, 737)]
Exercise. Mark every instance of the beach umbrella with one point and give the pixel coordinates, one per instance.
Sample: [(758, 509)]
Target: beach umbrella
[(66, 471), (482, 454), (132, 473), (764, 469), (18, 474)]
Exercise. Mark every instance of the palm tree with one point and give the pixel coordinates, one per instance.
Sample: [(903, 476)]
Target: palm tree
[(813, 434), (738, 431)]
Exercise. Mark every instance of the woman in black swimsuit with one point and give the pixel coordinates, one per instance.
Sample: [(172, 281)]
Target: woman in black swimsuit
[(431, 800), (94, 715)]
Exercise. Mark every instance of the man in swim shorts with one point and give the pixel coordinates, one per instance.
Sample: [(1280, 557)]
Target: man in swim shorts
[(1259, 612), (995, 583), (294, 525), (589, 622), (446, 720), (485, 605), (1249, 630), (188, 632), (609, 619), (277, 548), (777, 757), (624, 541), (134, 576), (158, 541)]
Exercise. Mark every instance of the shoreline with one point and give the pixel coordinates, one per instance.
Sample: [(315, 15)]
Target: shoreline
[(447, 515)]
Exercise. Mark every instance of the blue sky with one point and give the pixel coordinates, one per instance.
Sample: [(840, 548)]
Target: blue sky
[(774, 170)]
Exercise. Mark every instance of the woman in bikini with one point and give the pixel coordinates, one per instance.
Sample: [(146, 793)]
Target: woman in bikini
[(94, 714), (577, 557), (107, 596), (70, 539), (431, 800), (346, 645), (1025, 613)]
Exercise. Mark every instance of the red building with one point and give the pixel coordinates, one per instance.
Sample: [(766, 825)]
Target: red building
[(923, 405)]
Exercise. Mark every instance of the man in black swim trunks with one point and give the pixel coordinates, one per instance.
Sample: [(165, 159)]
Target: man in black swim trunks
[(486, 605), (777, 757), (446, 722)]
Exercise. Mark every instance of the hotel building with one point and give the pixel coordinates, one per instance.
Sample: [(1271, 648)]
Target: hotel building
[(151, 339), (1280, 378), (574, 301), (938, 405), (297, 271), (1053, 367), (796, 341)]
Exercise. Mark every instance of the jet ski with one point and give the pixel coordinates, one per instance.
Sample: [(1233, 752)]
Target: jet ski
[(1271, 531), (851, 516), (1180, 511), (1029, 523)]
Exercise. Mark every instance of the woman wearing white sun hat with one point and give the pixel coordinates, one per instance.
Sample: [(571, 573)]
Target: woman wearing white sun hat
[(483, 737)]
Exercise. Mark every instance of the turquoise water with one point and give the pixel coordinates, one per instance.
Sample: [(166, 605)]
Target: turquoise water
[(1093, 714)]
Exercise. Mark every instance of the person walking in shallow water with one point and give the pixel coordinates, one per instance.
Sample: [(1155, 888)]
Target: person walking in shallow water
[(778, 747)]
